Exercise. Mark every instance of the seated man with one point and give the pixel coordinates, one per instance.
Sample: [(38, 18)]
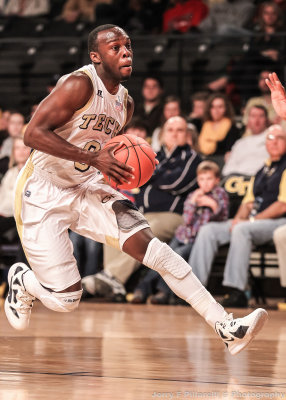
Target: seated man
[(263, 209), (248, 154), (161, 200)]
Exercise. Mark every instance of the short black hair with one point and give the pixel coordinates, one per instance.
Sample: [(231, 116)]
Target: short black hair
[(92, 37)]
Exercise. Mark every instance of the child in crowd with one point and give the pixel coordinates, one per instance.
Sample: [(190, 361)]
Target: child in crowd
[(208, 203)]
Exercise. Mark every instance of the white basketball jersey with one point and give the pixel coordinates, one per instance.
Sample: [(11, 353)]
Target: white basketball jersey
[(90, 128)]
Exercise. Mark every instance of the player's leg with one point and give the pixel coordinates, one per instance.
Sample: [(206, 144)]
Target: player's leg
[(177, 273), (24, 288), (42, 218)]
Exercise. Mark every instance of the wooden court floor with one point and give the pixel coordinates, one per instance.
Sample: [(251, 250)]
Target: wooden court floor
[(114, 351)]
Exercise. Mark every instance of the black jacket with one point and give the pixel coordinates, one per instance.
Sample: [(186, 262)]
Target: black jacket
[(173, 179)]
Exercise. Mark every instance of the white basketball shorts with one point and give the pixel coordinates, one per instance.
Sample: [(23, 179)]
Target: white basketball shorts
[(44, 211)]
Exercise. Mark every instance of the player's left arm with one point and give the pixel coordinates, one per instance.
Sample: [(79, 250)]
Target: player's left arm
[(130, 111)]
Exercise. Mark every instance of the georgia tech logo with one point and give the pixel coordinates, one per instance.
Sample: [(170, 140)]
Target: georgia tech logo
[(236, 184), (101, 123)]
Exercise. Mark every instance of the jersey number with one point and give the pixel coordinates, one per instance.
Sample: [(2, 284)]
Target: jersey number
[(93, 146)]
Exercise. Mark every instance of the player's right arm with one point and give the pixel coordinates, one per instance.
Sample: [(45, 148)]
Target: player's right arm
[(70, 95), (278, 95)]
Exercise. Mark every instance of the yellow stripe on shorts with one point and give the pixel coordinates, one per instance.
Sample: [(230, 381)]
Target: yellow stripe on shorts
[(113, 242), (18, 195)]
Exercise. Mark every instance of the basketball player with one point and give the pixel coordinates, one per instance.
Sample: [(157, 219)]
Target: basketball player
[(62, 187)]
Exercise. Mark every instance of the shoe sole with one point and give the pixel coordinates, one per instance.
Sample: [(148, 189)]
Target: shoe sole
[(257, 325), (7, 304)]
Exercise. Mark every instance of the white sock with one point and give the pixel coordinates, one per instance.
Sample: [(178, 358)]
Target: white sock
[(163, 259), (61, 302)]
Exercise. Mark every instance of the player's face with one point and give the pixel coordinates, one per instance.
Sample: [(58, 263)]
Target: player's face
[(257, 121), (171, 109), (276, 142), (207, 181), (217, 109), (115, 54)]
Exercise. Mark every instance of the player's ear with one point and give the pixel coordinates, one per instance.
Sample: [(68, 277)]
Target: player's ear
[(95, 57)]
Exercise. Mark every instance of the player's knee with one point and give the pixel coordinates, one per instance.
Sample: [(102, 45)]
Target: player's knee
[(163, 259), (62, 302)]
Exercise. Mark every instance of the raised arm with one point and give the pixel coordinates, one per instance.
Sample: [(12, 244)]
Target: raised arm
[(278, 94), (70, 95)]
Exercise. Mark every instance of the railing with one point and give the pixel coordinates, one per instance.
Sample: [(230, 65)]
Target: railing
[(186, 63)]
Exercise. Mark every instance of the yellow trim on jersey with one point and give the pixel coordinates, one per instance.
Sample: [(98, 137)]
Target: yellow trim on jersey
[(87, 105), (282, 188), (125, 106), (113, 242), (18, 195), (249, 197)]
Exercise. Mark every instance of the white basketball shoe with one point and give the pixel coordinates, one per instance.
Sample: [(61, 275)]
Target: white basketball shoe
[(19, 302), (238, 333)]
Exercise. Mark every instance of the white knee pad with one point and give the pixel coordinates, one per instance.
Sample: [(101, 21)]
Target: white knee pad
[(160, 257), (61, 302)]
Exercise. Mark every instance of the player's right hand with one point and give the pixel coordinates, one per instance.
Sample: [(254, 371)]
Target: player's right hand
[(278, 94), (105, 162)]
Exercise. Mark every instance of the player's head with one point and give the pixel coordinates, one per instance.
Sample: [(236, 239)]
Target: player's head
[(208, 175), (110, 50)]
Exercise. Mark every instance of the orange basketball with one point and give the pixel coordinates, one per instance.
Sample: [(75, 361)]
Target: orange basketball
[(136, 153)]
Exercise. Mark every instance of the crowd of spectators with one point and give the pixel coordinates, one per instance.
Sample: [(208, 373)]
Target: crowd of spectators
[(216, 138)]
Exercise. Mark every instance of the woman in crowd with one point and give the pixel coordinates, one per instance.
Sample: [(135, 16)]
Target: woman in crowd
[(218, 132)]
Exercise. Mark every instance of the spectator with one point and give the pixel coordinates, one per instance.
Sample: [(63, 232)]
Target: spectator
[(218, 132), (228, 17), (20, 154), (249, 153), (198, 104), (135, 16), (31, 8), (171, 108), (208, 203), (184, 15), (161, 200), (264, 50), (261, 212), (150, 110), (264, 100), (137, 127), (85, 10), (14, 129), (4, 118)]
